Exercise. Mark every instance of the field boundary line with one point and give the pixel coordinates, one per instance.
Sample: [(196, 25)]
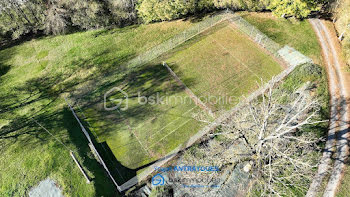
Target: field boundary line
[(179, 39), (171, 132), (143, 147), (97, 138), (255, 35), (275, 57), (155, 133), (286, 55), (71, 152), (196, 100)]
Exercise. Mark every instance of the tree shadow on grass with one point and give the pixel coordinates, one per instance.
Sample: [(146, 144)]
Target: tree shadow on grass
[(4, 69), (40, 98), (40, 91), (51, 86), (146, 81), (103, 184), (27, 132), (4, 57)]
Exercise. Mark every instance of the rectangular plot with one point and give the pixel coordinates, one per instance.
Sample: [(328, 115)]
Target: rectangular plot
[(156, 105), (224, 63), (219, 63)]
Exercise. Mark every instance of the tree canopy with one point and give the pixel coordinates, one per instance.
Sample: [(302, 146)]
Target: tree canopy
[(297, 8), (20, 17)]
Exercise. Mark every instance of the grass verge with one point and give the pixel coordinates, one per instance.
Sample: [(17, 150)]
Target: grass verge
[(292, 32)]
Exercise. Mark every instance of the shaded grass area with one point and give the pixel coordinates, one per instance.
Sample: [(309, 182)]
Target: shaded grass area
[(297, 34), (145, 132), (158, 117), (34, 76), (224, 65), (29, 154)]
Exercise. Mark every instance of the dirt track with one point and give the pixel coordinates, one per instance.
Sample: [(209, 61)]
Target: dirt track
[(337, 141)]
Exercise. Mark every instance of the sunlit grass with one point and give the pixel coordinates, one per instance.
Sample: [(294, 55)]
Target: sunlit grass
[(34, 76)]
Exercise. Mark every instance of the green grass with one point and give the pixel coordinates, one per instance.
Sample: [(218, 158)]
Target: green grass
[(345, 183), (297, 34), (223, 64), (137, 136), (317, 75), (34, 76), (143, 133)]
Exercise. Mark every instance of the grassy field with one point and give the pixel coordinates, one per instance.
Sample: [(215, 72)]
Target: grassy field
[(297, 34), (143, 133), (34, 77), (37, 74), (223, 64)]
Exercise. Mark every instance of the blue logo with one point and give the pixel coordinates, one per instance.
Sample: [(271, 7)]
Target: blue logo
[(158, 180)]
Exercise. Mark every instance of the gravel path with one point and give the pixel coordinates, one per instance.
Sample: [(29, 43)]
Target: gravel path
[(337, 141)]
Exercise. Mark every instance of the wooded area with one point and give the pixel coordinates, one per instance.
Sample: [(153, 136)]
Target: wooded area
[(341, 11), (21, 17)]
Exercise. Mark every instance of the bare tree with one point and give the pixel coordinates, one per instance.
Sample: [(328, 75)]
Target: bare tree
[(55, 22), (282, 157), (268, 136)]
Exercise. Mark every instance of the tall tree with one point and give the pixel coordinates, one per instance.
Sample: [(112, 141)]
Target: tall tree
[(55, 22), (297, 8), (122, 11), (160, 10)]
